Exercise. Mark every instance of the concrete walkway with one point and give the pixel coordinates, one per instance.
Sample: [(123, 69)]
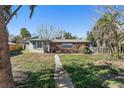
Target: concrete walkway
[(61, 76)]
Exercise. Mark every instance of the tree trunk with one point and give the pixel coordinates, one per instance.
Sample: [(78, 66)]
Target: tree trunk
[(6, 77), (118, 51), (97, 50), (98, 47), (110, 47)]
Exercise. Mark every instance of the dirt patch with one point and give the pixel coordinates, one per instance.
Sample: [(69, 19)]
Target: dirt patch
[(114, 64)]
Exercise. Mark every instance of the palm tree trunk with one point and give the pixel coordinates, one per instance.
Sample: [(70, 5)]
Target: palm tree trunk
[(6, 77)]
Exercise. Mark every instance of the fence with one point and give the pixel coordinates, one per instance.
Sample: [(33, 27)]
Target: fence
[(15, 47)]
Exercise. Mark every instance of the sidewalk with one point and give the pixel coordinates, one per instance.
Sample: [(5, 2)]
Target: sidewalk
[(61, 76)]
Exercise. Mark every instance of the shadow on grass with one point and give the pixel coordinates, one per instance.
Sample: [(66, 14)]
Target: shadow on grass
[(13, 53), (35, 79), (92, 76)]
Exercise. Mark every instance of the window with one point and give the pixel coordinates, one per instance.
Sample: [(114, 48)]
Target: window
[(37, 45), (67, 45), (34, 45)]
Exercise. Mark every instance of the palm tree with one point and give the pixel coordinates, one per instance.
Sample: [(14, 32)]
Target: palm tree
[(6, 14)]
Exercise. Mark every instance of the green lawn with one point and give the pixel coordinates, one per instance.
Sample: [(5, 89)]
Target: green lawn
[(33, 70), (93, 71)]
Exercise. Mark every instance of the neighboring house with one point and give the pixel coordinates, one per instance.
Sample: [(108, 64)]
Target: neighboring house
[(56, 45), (11, 38)]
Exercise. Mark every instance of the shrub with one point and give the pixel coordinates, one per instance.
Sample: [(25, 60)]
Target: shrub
[(116, 56), (86, 51)]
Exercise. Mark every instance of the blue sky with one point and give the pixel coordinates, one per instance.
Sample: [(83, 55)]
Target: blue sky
[(75, 19)]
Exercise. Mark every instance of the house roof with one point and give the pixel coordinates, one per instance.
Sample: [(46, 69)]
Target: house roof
[(62, 40), (69, 40), (37, 39)]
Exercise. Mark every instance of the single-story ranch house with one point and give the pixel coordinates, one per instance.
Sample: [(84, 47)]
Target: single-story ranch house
[(57, 45)]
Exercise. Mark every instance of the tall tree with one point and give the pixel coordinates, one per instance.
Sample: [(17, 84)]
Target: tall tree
[(68, 35), (47, 33), (108, 31), (6, 14), (90, 36), (25, 33)]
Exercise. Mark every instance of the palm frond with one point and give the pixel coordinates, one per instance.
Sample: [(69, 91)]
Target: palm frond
[(7, 9), (32, 7)]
